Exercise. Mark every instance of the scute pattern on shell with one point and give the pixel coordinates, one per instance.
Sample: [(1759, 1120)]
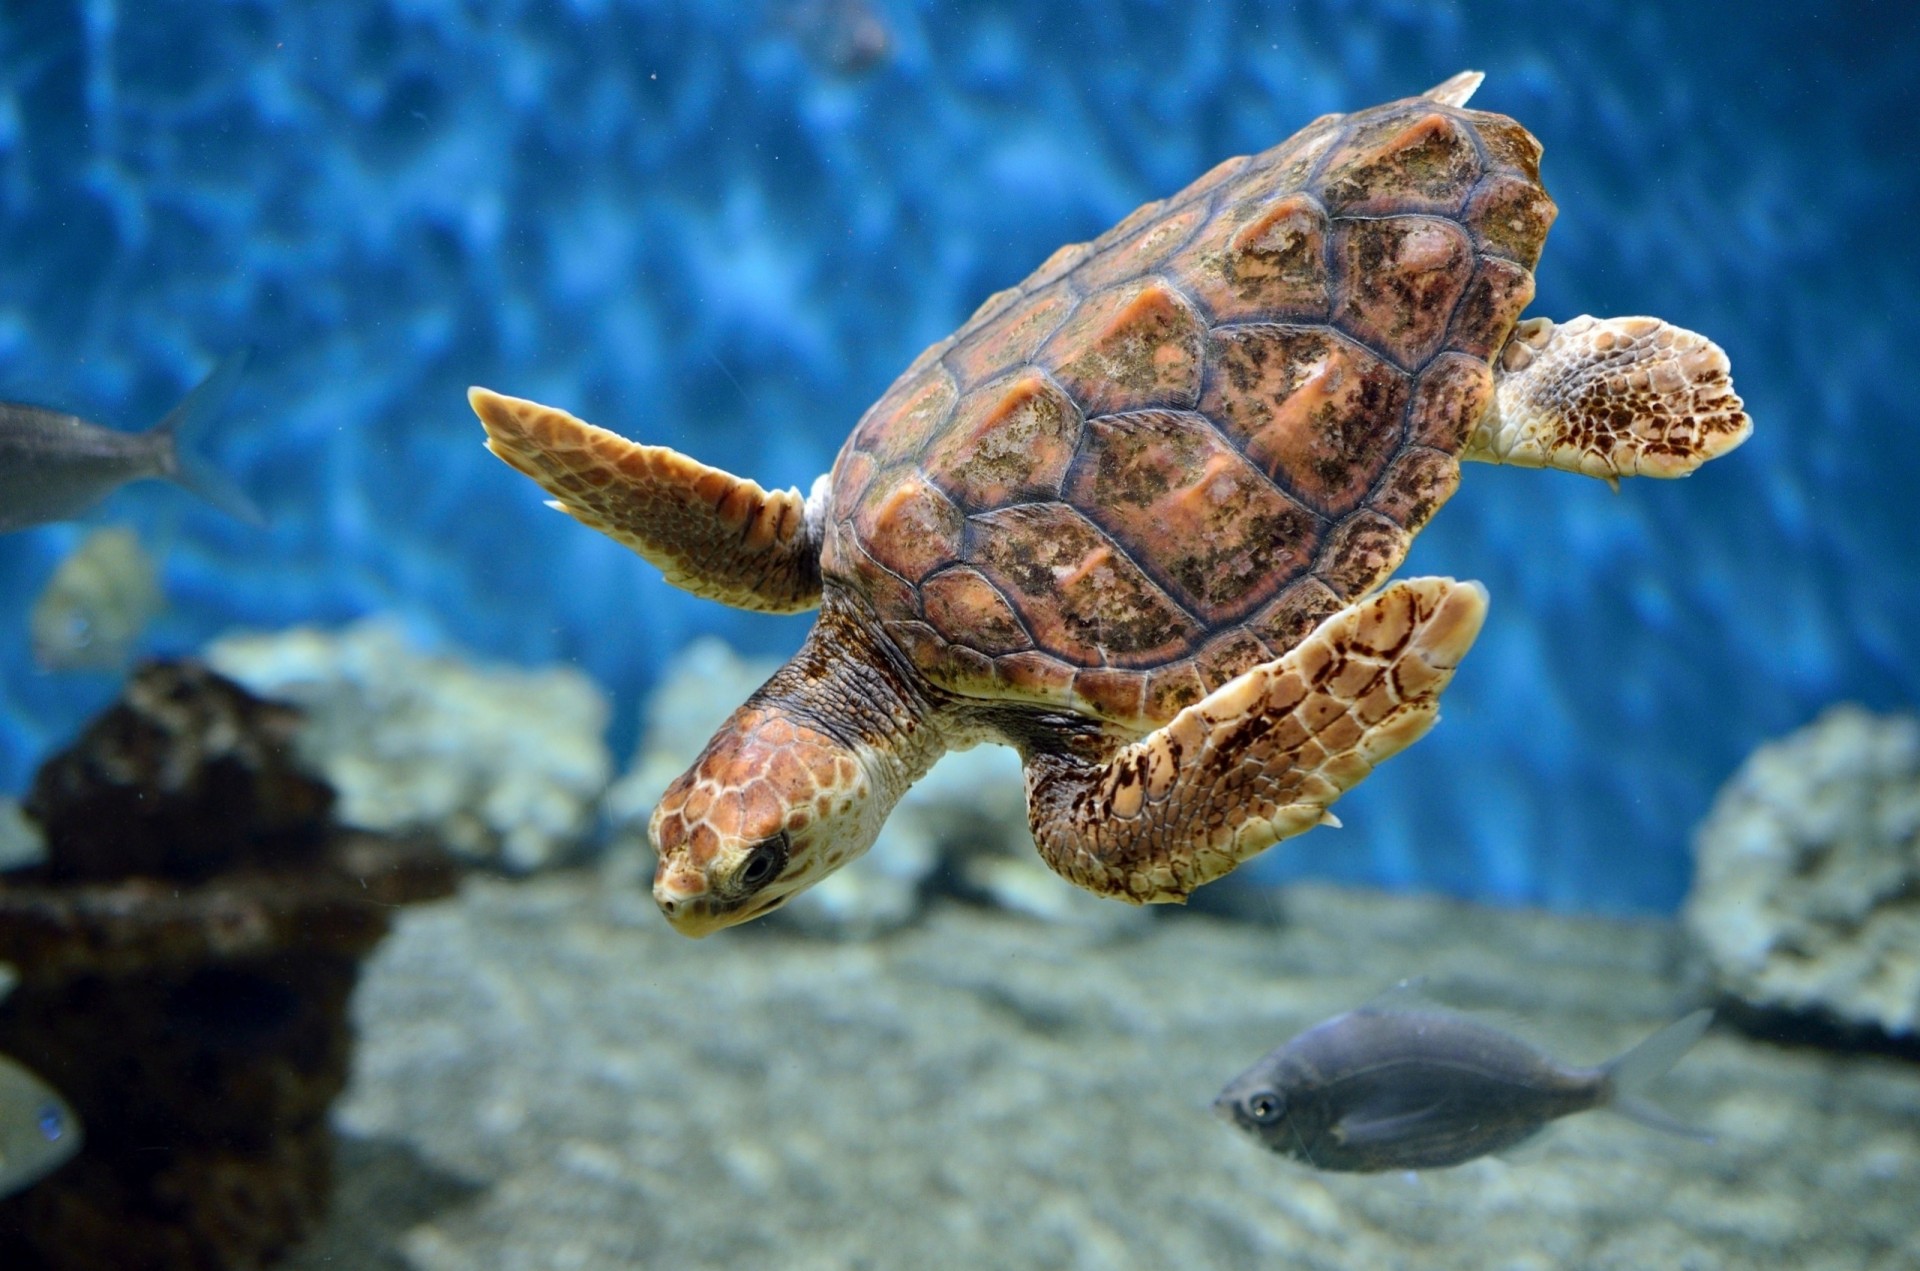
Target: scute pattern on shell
[(1170, 452)]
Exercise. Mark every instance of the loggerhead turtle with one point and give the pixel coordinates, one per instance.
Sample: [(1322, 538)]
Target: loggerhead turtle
[(1130, 519)]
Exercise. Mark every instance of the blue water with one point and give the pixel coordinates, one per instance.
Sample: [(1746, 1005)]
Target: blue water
[(674, 219)]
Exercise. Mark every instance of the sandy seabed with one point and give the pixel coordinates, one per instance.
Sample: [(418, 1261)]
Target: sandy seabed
[(549, 1079)]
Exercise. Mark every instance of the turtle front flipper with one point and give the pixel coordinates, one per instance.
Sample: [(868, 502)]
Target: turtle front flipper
[(711, 533), (1611, 398), (1262, 757)]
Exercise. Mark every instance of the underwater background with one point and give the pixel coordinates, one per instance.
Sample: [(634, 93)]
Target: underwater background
[(377, 982), (713, 227)]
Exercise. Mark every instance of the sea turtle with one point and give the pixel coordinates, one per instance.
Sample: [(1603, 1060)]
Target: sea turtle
[(1134, 517)]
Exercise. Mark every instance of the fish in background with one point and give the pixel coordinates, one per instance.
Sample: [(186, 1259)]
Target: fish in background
[(95, 608), (55, 466), (1406, 1084), (841, 37), (21, 846), (39, 1130)]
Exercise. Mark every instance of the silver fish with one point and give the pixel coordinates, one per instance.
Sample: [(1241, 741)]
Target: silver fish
[(55, 466), (96, 606), (39, 1130), (1411, 1085)]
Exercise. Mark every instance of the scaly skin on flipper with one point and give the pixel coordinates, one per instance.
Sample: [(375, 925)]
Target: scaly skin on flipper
[(1615, 397), (711, 533), (1262, 758)]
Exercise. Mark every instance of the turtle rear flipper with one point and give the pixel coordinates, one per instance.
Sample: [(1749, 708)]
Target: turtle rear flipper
[(1456, 91), (711, 533), (1611, 398), (1260, 758)]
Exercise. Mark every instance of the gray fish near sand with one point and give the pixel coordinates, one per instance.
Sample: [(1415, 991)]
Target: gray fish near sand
[(39, 1130), (93, 611), (55, 466), (1411, 1085)]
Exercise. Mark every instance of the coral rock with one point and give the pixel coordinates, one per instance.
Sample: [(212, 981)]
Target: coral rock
[(504, 766), (184, 778), (1807, 891), (185, 956)]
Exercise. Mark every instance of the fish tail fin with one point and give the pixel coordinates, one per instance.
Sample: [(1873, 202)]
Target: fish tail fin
[(1631, 1074), (181, 427)]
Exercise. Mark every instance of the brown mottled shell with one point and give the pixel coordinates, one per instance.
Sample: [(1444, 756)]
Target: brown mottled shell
[(1170, 452)]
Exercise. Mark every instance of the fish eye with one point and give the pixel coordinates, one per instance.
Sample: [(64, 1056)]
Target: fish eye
[(764, 862), (1265, 1107), (53, 1126)]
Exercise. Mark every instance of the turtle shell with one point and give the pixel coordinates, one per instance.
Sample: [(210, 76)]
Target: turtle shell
[(1170, 452)]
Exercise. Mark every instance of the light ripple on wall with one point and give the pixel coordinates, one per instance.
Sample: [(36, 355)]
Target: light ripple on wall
[(663, 216)]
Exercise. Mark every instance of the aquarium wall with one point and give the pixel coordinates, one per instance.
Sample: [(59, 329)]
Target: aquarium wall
[(727, 227)]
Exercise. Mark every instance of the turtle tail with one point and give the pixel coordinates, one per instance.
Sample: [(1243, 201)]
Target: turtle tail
[(176, 433)]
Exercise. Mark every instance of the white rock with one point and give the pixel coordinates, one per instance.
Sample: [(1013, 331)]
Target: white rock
[(506, 765), (1806, 894)]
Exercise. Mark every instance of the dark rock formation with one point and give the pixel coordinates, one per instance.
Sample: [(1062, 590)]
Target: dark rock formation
[(186, 953)]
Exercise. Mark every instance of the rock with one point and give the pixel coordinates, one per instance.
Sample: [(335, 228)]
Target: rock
[(1806, 895), (961, 827), (188, 776), (184, 953), (503, 765), (981, 1089)]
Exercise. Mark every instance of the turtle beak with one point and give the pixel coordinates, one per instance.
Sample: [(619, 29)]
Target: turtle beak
[(692, 913), (696, 916), (701, 915)]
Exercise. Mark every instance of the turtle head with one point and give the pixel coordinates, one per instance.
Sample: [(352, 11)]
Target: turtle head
[(771, 807)]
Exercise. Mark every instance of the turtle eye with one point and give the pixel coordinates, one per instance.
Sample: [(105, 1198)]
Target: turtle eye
[(52, 1125), (764, 862), (1265, 1107)]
